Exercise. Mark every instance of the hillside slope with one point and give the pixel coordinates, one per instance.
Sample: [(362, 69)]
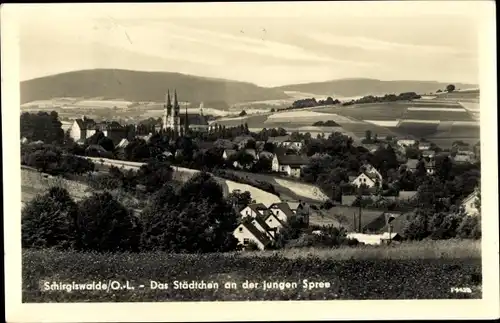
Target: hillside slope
[(361, 87), (142, 86)]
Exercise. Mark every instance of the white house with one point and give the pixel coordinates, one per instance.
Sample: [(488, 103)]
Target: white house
[(82, 128), (289, 164), (261, 225), (406, 142), (469, 204), (281, 211), (424, 146), (366, 179), (253, 210), (273, 222), (246, 232), (371, 171)]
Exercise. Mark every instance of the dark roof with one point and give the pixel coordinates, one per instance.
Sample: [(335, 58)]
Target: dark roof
[(194, 119), (262, 222), (348, 199), (271, 214), (379, 224), (279, 139), (292, 160), (284, 207), (96, 147), (347, 213), (247, 223), (85, 123), (398, 224), (230, 152), (256, 207)]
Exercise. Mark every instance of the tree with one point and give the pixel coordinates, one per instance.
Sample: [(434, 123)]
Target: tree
[(105, 225), (450, 88), (368, 135), (193, 220), (106, 143), (240, 199), (243, 113), (269, 147), (42, 126), (154, 175), (49, 220)]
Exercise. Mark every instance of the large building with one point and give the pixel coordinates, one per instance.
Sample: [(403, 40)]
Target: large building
[(177, 122)]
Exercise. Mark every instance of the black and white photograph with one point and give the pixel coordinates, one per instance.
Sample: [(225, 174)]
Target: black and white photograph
[(266, 160)]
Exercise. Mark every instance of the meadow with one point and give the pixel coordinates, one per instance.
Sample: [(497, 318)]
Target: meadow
[(424, 270)]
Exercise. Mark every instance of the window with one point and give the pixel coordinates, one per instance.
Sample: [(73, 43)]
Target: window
[(241, 229), (246, 241), (472, 205)]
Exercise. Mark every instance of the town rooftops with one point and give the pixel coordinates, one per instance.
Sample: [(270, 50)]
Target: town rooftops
[(279, 139), (284, 207), (247, 223), (292, 160), (256, 207)]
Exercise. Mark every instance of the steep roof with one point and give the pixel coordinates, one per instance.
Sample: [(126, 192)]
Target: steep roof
[(256, 207), (379, 224), (247, 223), (260, 220), (284, 207), (292, 160), (85, 123)]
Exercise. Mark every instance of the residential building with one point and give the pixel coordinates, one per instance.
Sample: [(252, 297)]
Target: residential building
[(368, 179), (274, 223), (291, 165), (82, 128), (469, 204), (282, 211), (406, 142), (464, 157), (286, 142), (253, 210), (424, 146), (371, 171), (246, 232), (228, 153), (260, 223)]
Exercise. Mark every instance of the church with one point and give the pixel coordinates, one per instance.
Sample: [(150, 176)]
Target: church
[(179, 123)]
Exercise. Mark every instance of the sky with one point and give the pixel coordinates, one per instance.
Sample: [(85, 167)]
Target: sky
[(269, 44)]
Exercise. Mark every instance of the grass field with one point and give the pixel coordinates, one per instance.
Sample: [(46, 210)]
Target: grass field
[(289, 190), (425, 270)]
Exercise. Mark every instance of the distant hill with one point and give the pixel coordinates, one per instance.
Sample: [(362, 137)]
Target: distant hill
[(143, 86), (361, 87)]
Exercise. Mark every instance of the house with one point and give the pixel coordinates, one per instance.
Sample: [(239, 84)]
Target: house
[(246, 232), (82, 128), (253, 153), (241, 141), (406, 142), (289, 164), (424, 146), (273, 223), (228, 153), (282, 211), (380, 224), (469, 204), (371, 171), (369, 239), (253, 210), (430, 166), (370, 180), (260, 223), (286, 142)]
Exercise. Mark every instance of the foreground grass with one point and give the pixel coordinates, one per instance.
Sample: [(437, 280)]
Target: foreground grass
[(360, 273)]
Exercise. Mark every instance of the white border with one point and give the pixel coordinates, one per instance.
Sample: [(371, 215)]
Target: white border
[(488, 307)]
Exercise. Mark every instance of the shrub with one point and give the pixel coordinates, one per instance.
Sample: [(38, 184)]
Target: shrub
[(49, 221), (470, 227), (105, 225)]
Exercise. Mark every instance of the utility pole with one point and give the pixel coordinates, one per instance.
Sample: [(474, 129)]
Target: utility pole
[(360, 195)]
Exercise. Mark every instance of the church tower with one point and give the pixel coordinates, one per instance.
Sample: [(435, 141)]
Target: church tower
[(167, 112), (177, 116)]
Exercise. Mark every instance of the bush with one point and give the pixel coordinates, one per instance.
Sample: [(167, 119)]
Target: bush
[(49, 221), (105, 225), (470, 227)]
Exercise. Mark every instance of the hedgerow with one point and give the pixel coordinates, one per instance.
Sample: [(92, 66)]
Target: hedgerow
[(349, 279)]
